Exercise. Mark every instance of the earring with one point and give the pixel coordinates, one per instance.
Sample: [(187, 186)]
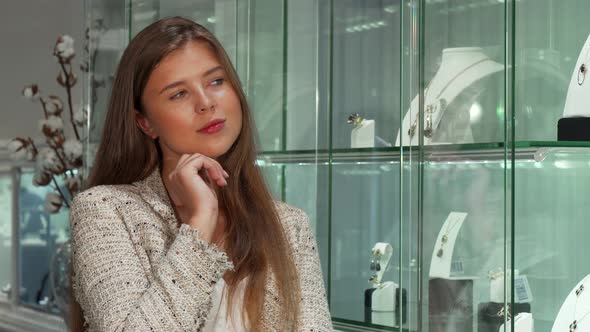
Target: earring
[(375, 266), (373, 279), (428, 129)]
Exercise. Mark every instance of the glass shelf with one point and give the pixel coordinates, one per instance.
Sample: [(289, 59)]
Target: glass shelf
[(491, 151)]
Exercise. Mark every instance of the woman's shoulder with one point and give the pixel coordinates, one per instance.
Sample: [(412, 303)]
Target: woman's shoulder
[(289, 212), (295, 220)]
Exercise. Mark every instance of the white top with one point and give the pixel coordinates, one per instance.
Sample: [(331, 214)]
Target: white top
[(219, 320)]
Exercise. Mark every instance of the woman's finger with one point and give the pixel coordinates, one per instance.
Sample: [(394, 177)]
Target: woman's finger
[(214, 171), (211, 167), (185, 159)]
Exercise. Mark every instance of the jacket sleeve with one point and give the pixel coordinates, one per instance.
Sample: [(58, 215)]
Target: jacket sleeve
[(109, 281), (314, 314)]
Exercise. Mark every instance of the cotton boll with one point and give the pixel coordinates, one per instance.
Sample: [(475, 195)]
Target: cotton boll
[(64, 42), (51, 125), (73, 150), (31, 92), (41, 178), (21, 149), (53, 105), (18, 150), (49, 161), (53, 202), (73, 183), (81, 116), (64, 48)]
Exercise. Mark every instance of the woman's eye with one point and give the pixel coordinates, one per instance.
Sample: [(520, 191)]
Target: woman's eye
[(218, 81), (178, 95)]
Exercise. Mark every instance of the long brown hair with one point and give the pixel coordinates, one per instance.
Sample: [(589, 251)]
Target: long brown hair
[(256, 240)]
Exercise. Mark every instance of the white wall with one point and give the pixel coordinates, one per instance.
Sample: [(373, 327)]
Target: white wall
[(28, 31)]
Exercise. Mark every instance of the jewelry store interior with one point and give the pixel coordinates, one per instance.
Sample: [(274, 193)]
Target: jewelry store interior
[(441, 149)]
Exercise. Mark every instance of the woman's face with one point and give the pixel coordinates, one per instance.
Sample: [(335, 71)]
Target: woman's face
[(189, 104)]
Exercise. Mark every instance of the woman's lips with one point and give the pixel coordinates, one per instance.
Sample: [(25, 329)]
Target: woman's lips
[(213, 127)]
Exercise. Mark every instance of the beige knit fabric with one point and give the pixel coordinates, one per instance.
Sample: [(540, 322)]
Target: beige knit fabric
[(135, 270)]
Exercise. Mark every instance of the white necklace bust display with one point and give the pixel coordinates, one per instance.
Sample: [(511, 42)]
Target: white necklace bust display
[(574, 315), (442, 255), (460, 68), (578, 93)]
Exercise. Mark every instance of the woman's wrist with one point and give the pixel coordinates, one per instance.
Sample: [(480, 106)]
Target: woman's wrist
[(202, 224)]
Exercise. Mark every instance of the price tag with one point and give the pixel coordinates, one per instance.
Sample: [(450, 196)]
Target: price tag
[(457, 267), (522, 289)]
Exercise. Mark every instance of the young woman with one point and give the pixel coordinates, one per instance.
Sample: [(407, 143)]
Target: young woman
[(178, 231)]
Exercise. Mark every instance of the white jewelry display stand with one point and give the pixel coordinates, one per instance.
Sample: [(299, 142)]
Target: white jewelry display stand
[(578, 96), (384, 297), (523, 322), (459, 69), (440, 267), (363, 136), (383, 304), (575, 307)]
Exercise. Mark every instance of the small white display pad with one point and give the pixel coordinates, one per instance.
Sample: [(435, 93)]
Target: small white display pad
[(459, 69), (575, 307), (523, 322), (383, 304), (578, 93), (440, 265), (363, 136)]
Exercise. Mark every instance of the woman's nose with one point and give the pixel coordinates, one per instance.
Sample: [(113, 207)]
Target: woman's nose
[(204, 102)]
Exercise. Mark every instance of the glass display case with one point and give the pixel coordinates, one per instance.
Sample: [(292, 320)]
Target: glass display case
[(33, 290), (5, 232), (40, 235), (420, 136)]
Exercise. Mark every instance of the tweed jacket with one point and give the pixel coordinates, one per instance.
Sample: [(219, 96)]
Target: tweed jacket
[(134, 269)]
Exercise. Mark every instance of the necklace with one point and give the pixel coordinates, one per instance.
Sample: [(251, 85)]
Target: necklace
[(583, 68), (445, 238), (574, 325), (430, 109), (505, 312)]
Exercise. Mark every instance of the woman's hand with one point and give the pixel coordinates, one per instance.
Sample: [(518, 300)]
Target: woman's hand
[(192, 190)]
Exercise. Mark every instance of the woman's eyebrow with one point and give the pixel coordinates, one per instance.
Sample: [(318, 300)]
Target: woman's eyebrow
[(171, 85), (212, 70), (177, 83)]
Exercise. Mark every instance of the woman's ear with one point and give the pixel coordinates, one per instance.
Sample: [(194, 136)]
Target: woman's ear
[(144, 124)]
